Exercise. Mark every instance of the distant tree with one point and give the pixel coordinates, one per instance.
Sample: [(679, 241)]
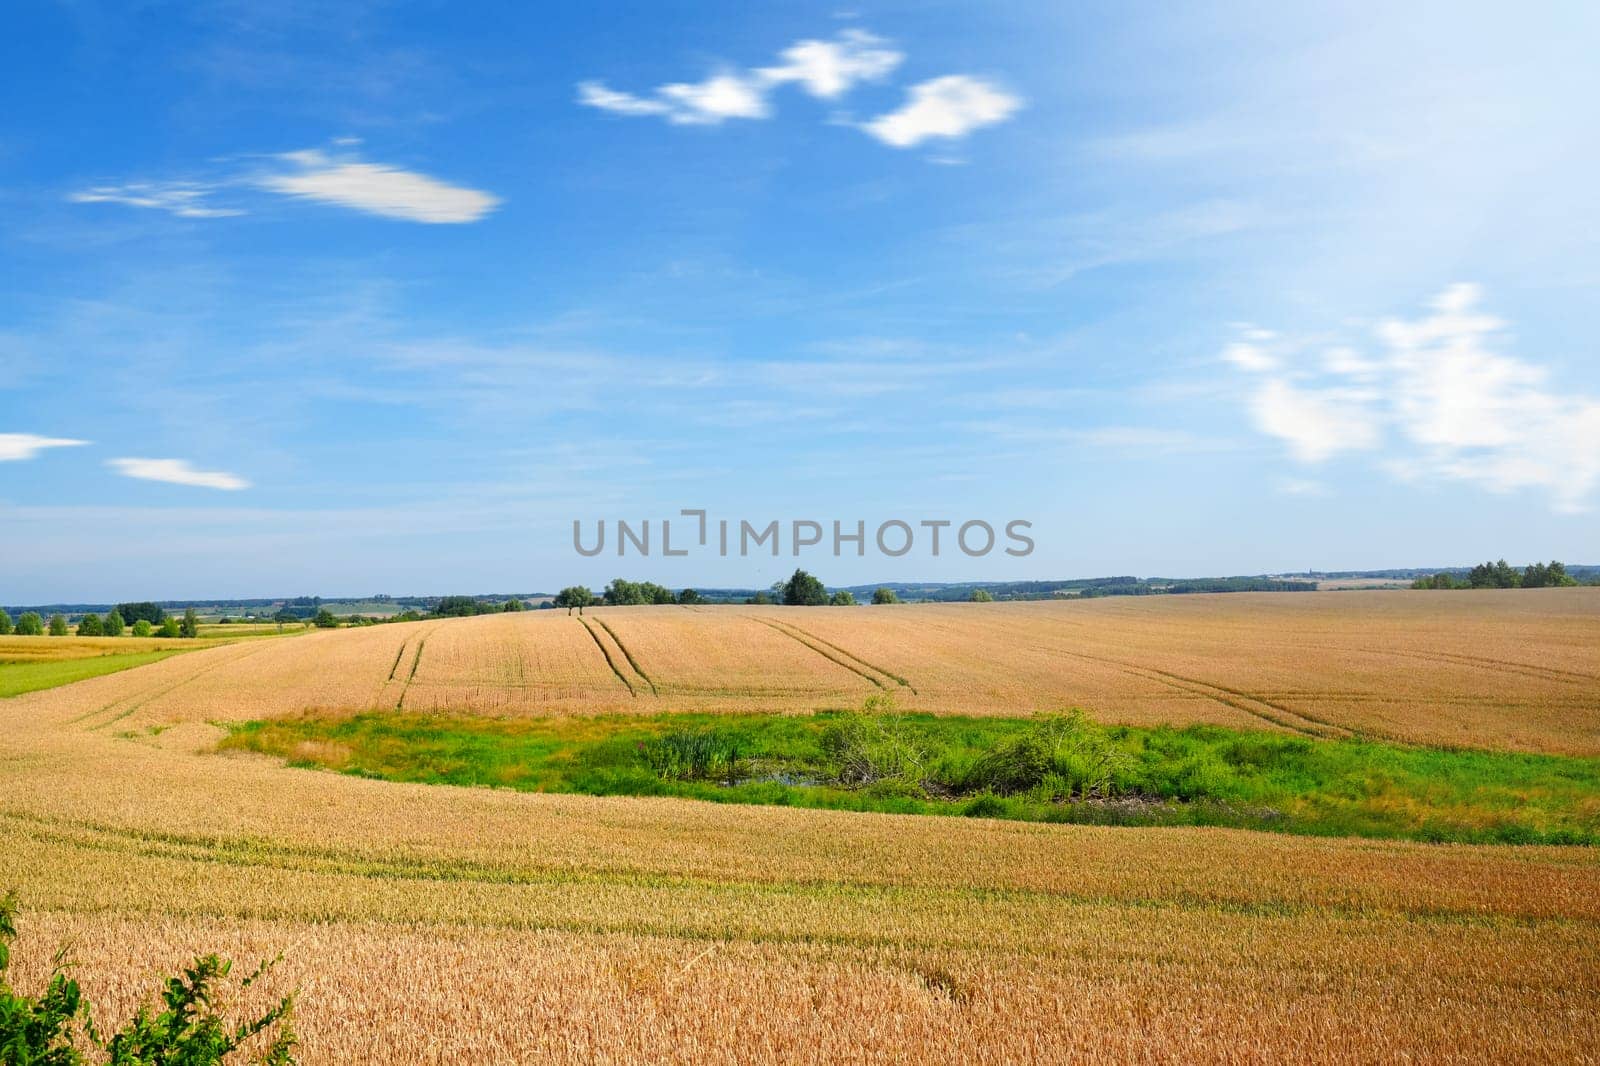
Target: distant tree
[(459, 607), (1546, 575), (58, 625), (113, 625), (143, 628), (981, 596), (760, 598), (132, 612), (511, 606), (842, 598), (324, 619), (884, 595), (804, 590), (408, 615), (170, 628), (5, 624), (284, 616), (574, 596), (224, 621), (90, 626), (1496, 575), (690, 596), (30, 625), (190, 626)]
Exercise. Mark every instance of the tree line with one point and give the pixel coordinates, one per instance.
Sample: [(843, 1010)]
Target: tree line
[(140, 619), (1501, 575)]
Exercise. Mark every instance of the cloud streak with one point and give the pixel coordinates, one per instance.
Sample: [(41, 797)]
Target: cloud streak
[(315, 175), (177, 472), (1436, 402), (15, 447)]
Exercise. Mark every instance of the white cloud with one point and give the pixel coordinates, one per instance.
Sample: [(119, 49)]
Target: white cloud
[(1437, 402), (709, 102), (15, 446), (949, 107), (377, 189), (184, 199), (829, 69), (177, 472)]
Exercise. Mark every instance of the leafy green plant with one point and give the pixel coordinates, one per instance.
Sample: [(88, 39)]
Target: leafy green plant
[(186, 1030), (694, 755)]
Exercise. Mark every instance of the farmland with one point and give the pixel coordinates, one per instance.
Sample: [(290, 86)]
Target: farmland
[(425, 922)]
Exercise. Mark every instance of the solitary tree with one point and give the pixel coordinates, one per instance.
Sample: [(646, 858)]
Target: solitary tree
[(842, 598), (113, 625), (170, 627), (5, 624), (190, 626), (325, 620), (690, 596), (803, 590), (512, 606), (885, 595), (143, 628), (982, 596), (58, 625), (578, 596), (30, 625), (89, 626)]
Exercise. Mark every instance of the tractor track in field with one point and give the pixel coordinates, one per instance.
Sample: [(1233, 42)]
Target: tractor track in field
[(1276, 713), (628, 655), (824, 650), (808, 635), (146, 699), (610, 661)]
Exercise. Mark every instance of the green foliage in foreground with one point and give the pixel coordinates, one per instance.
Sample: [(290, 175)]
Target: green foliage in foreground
[(1058, 768), (186, 1029), (17, 678)]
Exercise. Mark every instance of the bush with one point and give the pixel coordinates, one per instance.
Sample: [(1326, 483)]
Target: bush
[(875, 746), (325, 620), (89, 626), (30, 625), (186, 1031), (1061, 757), (113, 625), (142, 628), (5, 624), (171, 628), (58, 625), (842, 598), (885, 596)]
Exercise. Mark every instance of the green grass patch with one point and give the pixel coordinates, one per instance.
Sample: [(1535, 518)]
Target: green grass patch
[(17, 678), (1058, 768)]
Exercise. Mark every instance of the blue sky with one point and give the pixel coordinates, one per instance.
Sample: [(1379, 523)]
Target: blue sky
[(358, 297)]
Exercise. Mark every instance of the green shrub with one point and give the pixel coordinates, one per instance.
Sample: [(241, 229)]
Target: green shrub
[(5, 624), (1060, 757), (90, 626), (58, 625), (875, 746), (30, 625), (142, 628), (187, 1030)]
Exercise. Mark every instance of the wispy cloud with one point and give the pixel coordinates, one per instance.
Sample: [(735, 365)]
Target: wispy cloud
[(947, 108), (1436, 402), (344, 180), (177, 472), (184, 199), (17, 446)]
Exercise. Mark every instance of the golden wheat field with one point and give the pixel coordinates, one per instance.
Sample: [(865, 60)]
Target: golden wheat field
[(437, 924)]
